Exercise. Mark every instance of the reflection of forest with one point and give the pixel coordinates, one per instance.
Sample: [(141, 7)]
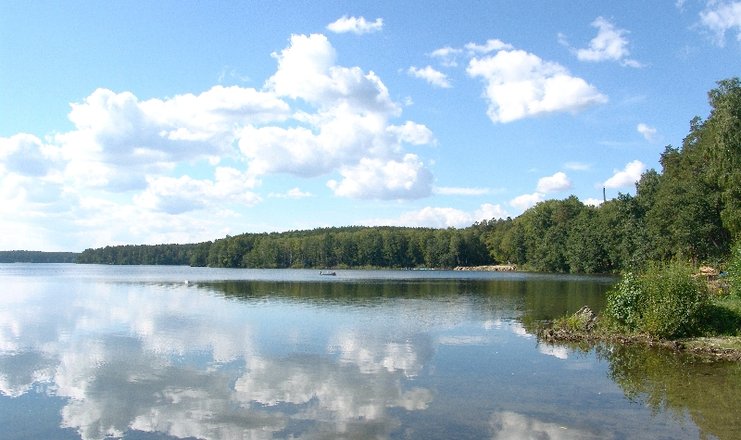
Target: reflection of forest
[(531, 299), (709, 392)]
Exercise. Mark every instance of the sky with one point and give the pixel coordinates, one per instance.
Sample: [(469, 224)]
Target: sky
[(184, 121)]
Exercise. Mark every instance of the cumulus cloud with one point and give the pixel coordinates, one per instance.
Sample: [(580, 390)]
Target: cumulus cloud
[(387, 180), (447, 56), (549, 184), (118, 139), (492, 45), (521, 84), (356, 25), (610, 44), (648, 132), (460, 191), (293, 193), (26, 155), (351, 132), (555, 183), (431, 75), (183, 194), (442, 217), (627, 176), (127, 157), (526, 201), (720, 17)]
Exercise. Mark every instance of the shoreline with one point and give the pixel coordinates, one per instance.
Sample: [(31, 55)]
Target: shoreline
[(489, 268), (713, 348)]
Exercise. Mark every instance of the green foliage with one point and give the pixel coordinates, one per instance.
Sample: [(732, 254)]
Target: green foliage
[(625, 302), (734, 270), (318, 248), (37, 257), (665, 301)]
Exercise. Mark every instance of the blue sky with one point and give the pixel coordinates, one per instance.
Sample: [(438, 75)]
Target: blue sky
[(182, 121)]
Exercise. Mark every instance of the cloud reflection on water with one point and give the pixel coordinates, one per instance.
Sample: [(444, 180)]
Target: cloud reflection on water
[(511, 425), (174, 361)]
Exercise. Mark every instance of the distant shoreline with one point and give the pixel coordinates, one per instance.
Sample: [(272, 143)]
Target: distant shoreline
[(38, 257)]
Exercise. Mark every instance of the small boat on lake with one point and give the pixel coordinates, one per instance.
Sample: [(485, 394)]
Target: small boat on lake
[(328, 273)]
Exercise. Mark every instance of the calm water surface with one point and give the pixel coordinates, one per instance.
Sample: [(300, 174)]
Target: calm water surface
[(97, 352)]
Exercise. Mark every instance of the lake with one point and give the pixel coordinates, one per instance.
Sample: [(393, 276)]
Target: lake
[(143, 352)]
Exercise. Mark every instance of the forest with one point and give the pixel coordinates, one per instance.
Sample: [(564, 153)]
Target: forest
[(37, 257), (690, 211)]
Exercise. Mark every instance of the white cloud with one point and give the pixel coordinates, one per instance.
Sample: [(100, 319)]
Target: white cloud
[(350, 132), (488, 211), (356, 25), (26, 155), (492, 45), (548, 184), (432, 76), (720, 17), (439, 217), (411, 133), (648, 132), (293, 193), (520, 84), (526, 201), (577, 166), (183, 194), (555, 183), (130, 158), (627, 176), (118, 140), (591, 201), (460, 191), (447, 55), (610, 44), (386, 180)]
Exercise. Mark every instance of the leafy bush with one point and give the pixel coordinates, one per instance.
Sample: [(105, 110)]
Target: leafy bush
[(665, 301), (624, 303), (734, 270)]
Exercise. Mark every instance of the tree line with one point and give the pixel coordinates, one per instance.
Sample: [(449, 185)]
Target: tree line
[(394, 247), (691, 210), (37, 257)]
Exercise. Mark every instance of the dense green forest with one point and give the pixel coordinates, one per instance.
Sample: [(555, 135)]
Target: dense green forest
[(327, 247), (37, 257), (691, 210)]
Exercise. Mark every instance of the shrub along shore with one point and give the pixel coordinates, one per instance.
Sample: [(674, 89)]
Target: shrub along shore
[(665, 305)]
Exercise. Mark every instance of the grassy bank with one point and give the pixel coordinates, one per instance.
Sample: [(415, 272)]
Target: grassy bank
[(668, 305)]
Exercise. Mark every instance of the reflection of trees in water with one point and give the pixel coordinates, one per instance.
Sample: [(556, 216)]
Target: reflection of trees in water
[(709, 392), (532, 298)]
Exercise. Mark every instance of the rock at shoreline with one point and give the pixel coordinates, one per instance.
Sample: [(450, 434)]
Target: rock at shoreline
[(494, 268)]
